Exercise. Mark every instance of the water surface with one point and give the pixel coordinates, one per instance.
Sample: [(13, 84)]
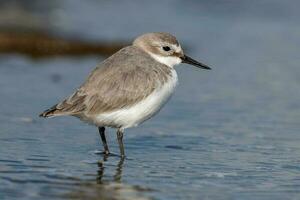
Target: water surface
[(228, 133)]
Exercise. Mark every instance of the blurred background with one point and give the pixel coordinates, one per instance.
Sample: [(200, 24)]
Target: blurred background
[(228, 133)]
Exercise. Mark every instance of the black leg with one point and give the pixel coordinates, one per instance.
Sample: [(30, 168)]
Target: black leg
[(103, 138), (120, 140)]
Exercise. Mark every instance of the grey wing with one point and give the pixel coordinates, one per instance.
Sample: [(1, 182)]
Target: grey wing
[(119, 82), (112, 91), (70, 106)]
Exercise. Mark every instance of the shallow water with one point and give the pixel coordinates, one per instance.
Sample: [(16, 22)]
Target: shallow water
[(228, 133)]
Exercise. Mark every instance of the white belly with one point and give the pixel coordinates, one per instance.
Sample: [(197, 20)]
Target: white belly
[(133, 116)]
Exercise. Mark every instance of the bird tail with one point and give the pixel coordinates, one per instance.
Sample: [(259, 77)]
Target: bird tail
[(49, 112)]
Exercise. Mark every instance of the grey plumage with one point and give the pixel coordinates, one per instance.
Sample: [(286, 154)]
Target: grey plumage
[(122, 80)]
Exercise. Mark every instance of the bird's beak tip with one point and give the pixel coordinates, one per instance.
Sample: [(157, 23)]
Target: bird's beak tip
[(188, 60)]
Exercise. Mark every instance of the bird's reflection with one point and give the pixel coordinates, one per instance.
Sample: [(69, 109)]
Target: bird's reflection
[(118, 171)]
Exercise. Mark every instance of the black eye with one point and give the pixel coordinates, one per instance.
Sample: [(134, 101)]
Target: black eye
[(166, 48)]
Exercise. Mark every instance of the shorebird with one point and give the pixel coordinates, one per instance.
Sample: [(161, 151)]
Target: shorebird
[(127, 88)]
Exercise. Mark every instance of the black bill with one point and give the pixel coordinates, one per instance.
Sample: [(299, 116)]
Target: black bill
[(191, 61)]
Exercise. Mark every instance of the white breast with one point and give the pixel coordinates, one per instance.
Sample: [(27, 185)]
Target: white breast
[(133, 116)]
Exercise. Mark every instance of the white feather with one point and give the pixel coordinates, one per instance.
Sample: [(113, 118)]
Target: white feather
[(177, 48), (169, 60), (133, 116)]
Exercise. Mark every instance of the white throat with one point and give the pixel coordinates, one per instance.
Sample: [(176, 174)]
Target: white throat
[(170, 61)]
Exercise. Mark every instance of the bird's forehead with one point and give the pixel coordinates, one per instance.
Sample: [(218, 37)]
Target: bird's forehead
[(158, 39), (167, 38)]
